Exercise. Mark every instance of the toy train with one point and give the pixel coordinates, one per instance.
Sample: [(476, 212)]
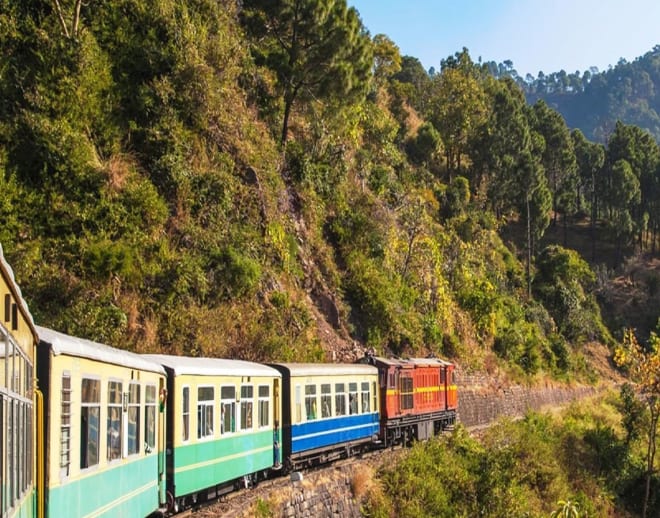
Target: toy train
[(122, 434)]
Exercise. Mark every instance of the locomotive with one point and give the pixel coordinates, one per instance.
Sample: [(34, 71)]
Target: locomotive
[(101, 431)]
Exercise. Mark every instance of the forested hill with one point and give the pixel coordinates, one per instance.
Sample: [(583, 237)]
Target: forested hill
[(268, 181), (594, 101)]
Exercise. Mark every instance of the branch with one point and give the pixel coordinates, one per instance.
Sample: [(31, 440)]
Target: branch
[(61, 17), (76, 18)]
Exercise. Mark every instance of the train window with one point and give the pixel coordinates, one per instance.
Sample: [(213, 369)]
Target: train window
[(247, 393), (264, 396), (340, 399), (391, 380), (65, 425), (310, 402), (150, 416), (133, 445), (205, 397), (228, 409), (89, 422), (374, 395), (353, 398), (365, 397), (326, 400), (442, 376), (185, 414), (406, 393), (115, 425)]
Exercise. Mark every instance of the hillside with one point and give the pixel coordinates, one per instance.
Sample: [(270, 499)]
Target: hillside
[(228, 179)]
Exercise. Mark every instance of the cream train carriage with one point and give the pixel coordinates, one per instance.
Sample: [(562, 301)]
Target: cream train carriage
[(105, 428), (18, 338)]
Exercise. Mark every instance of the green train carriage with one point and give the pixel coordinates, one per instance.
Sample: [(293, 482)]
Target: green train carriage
[(104, 429), (223, 425)]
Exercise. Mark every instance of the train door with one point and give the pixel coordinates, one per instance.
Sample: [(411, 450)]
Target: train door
[(277, 438), (160, 442)]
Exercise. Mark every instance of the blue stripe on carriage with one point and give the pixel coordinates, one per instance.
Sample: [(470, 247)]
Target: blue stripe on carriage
[(329, 432)]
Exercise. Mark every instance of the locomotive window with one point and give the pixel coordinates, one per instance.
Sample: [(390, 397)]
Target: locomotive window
[(310, 402), (406, 393), (442, 376), (65, 425), (185, 414), (205, 397), (365, 397), (227, 410), (340, 399), (133, 418), (115, 425), (353, 398), (150, 416), (326, 400), (247, 392), (264, 396), (89, 422), (391, 380)]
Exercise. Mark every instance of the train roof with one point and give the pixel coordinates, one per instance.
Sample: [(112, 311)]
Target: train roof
[(182, 365), (325, 369), (63, 344), (8, 274), (407, 363)]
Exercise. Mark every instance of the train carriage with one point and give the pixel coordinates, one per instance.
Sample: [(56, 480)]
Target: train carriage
[(104, 429), (18, 339), (329, 410), (419, 395), (223, 425)]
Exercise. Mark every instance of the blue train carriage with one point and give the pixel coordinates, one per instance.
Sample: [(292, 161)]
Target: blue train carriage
[(17, 410), (104, 430), (329, 411), (223, 423)]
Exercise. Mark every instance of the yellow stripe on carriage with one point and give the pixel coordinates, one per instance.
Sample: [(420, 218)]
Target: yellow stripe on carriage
[(217, 460)]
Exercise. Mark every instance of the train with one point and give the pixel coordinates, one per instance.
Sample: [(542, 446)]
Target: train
[(92, 430)]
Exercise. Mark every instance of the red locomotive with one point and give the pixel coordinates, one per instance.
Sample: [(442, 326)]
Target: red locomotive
[(418, 398)]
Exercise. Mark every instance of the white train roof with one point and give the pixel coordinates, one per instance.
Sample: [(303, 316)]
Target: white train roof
[(327, 369), (212, 366), (63, 344)]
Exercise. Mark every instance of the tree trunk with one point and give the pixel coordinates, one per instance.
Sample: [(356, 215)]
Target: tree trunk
[(650, 458)]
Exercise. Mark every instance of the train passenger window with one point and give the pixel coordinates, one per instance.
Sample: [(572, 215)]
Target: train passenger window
[(150, 416), (353, 398), (228, 410), (406, 393), (65, 425), (115, 425), (340, 399), (264, 396), (205, 399), (365, 397), (326, 400), (133, 418), (374, 395), (247, 393), (89, 422), (185, 414), (310, 402)]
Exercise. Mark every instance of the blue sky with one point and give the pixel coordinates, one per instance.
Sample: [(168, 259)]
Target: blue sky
[(547, 35)]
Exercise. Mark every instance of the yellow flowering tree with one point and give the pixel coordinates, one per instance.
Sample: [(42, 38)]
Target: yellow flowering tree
[(643, 366)]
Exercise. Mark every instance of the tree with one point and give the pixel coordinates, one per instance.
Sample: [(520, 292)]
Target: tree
[(317, 49), (590, 158), (457, 106), (643, 366), (558, 159)]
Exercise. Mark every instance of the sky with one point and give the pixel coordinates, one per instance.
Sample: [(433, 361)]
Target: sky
[(536, 35)]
